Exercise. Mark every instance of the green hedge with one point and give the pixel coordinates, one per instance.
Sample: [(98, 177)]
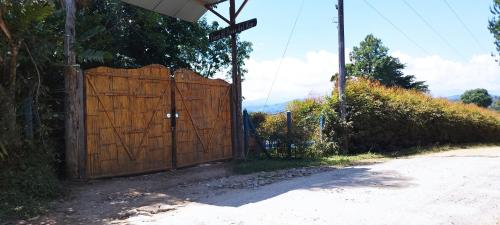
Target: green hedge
[(305, 125), (381, 119)]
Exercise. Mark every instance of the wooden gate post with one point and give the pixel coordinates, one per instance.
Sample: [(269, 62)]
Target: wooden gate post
[(75, 154), (74, 100)]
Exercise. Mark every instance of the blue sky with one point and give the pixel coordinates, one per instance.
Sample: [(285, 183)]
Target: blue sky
[(316, 36)]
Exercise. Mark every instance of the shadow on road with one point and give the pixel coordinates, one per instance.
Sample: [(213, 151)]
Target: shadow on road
[(339, 179)]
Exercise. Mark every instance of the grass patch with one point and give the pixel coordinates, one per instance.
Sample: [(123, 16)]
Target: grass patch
[(252, 166), (266, 165)]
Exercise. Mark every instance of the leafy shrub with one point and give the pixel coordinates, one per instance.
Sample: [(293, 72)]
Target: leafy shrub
[(322, 148), (273, 130), (28, 181), (28, 178), (305, 126), (384, 119), (257, 118), (305, 120)]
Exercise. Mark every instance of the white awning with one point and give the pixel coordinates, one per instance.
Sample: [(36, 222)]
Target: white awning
[(188, 10)]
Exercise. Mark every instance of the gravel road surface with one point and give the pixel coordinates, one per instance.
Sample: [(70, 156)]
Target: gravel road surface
[(455, 187)]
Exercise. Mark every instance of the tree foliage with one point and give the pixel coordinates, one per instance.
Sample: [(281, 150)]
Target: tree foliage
[(479, 97), (122, 35), (19, 22), (371, 60), (494, 23), (28, 42)]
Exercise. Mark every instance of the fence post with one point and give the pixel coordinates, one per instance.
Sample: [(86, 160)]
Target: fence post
[(245, 132), (321, 127), (289, 132)]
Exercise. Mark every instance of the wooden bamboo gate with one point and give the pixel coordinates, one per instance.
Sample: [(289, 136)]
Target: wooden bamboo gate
[(129, 126)]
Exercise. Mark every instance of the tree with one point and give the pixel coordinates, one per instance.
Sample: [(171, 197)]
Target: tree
[(494, 23), (479, 96), (496, 105), (20, 22), (371, 61), (29, 41), (116, 34)]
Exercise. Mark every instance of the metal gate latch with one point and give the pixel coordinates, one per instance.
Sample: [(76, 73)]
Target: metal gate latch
[(170, 115)]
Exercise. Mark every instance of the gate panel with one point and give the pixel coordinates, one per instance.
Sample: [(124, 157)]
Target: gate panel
[(204, 124), (127, 132)]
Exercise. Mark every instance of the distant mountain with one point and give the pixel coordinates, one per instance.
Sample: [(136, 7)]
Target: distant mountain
[(454, 98), (261, 107)]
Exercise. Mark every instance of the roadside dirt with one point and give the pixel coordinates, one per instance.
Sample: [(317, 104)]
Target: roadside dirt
[(112, 201), (453, 187)]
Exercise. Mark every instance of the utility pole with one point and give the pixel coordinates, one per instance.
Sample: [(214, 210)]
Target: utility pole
[(342, 79)]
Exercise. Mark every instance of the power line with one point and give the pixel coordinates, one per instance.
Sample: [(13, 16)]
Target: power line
[(397, 28), (284, 52), (433, 29), (464, 25)]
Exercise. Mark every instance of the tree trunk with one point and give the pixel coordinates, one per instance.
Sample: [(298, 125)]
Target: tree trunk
[(8, 118), (14, 52), (8, 87), (9, 98)]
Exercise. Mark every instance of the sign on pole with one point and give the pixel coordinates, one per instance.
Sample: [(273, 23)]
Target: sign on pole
[(228, 31)]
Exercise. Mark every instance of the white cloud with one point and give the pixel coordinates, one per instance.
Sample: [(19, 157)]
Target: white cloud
[(447, 77), (297, 78), (300, 78)]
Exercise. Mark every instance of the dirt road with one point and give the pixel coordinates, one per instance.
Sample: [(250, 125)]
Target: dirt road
[(455, 187), (458, 187)]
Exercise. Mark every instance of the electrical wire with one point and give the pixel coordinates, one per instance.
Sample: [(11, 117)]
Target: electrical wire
[(284, 52), (464, 25), (397, 28), (433, 29)]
